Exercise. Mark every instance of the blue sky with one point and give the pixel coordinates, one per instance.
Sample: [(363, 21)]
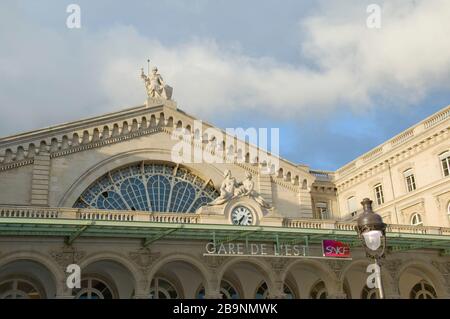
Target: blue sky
[(313, 69)]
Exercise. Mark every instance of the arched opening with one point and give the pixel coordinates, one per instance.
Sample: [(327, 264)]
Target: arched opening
[(26, 279), (418, 281), (177, 279), (105, 279), (307, 279), (254, 275), (355, 280)]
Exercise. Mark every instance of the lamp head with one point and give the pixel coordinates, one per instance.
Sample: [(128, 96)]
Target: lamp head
[(368, 220)]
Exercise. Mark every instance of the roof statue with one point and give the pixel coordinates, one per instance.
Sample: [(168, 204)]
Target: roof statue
[(154, 83)]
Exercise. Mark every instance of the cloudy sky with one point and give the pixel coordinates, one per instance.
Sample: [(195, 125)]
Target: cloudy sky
[(333, 86)]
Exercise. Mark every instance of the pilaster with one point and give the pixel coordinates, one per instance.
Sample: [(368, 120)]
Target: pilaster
[(40, 179)]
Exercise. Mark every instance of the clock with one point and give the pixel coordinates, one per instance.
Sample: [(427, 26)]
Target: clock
[(242, 216)]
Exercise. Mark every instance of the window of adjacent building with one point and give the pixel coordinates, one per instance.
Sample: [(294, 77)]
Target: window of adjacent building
[(379, 196), (416, 220), (322, 210), (445, 162), (422, 290), (410, 180), (352, 205)]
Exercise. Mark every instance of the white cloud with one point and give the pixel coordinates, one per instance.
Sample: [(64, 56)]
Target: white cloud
[(60, 74)]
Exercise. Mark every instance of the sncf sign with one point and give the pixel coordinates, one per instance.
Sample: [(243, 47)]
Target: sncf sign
[(334, 248)]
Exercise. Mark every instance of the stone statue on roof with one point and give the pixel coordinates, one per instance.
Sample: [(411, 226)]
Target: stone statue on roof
[(156, 88)]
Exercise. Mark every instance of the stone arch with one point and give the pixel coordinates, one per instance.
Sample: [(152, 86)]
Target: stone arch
[(43, 147), (115, 258), (153, 120), (31, 150), (287, 178), (56, 271), (134, 125), (95, 135), (54, 145), (90, 175), (144, 123), (325, 274), (125, 129), (20, 153), (86, 138), (280, 172), (387, 279), (183, 258), (161, 121), (64, 142), (263, 267), (105, 132), (430, 274)]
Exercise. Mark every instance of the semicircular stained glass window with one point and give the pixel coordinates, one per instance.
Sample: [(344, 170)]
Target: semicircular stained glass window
[(148, 187)]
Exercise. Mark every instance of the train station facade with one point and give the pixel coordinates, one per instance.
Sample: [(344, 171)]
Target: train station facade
[(105, 193)]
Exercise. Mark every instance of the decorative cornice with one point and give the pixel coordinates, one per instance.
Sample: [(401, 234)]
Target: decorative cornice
[(13, 165), (400, 156), (111, 140)]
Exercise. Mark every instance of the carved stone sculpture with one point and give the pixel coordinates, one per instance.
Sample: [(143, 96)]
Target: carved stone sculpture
[(247, 188), (230, 189), (156, 88), (227, 189)]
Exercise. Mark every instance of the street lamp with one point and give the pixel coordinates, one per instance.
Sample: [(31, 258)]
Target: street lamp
[(372, 231)]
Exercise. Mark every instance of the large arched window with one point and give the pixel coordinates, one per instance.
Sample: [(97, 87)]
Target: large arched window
[(422, 290), (148, 187), (19, 289), (93, 288), (163, 289)]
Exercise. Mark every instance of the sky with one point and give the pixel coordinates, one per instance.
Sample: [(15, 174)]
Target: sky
[(334, 87)]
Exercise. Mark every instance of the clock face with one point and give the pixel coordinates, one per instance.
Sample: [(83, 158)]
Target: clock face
[(242, 216)]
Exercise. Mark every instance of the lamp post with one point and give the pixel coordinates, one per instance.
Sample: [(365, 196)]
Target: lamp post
[(372, 232)]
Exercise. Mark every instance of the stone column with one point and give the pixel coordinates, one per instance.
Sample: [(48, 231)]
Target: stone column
[(212, 290), (277, 291), (62, 291)]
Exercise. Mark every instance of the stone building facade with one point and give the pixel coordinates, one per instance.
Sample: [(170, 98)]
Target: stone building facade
[(106, 194)]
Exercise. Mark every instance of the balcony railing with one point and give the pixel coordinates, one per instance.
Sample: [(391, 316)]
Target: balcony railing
[(189, 218)]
